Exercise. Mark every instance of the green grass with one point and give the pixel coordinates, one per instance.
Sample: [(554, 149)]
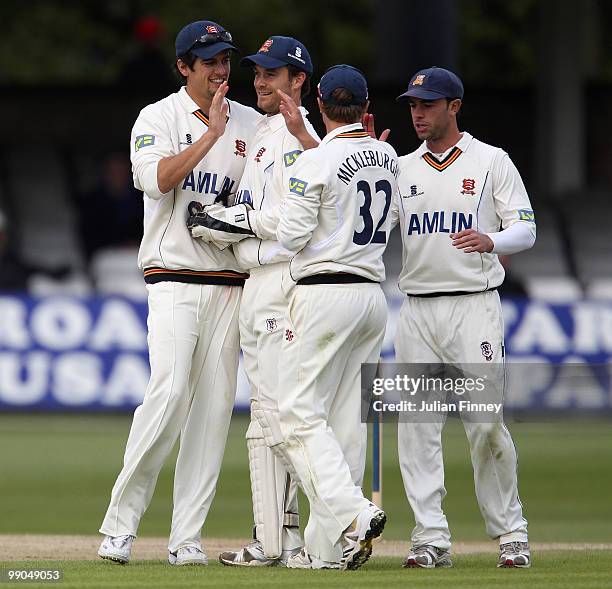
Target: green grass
[(550, 570), (56, 473)]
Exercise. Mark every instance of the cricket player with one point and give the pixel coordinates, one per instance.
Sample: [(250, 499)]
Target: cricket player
[(462, 203), (337, 216), (282, 68), (190, 146)]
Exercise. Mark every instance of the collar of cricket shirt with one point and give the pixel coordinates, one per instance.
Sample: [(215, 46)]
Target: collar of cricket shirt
[(462, 144), (277, 121), (348, 131), (191, 107)]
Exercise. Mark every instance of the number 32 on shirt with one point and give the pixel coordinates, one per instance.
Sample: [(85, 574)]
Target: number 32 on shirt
[(369, 234)]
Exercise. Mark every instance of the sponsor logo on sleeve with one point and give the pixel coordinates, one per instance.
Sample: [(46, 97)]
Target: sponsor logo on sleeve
[(526, 215), (144, 141), (297, 186), (291, 157)]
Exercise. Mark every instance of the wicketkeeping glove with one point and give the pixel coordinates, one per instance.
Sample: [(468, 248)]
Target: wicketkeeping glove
[(219, 225)]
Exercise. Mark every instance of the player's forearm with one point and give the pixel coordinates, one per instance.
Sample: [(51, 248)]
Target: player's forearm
[(518, 237), (172, 170), (307, 140)]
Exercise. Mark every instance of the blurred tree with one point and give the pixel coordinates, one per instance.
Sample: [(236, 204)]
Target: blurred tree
[(53, 42), (89, 41), (498, 41)]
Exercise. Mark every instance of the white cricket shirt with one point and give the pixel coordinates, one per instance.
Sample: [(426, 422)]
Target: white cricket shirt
[(475, 186), (269, 166), (336, 210), (163, 129)]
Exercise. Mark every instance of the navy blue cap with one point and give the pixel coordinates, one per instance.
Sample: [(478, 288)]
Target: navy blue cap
[(279, 51), (203, 38), (347, 77), (434, 83)]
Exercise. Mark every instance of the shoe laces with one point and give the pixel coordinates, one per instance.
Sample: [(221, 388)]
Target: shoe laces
[(120, 541), (513, 547), (426, 549), (190, 550), (303, 553), (255, 549)]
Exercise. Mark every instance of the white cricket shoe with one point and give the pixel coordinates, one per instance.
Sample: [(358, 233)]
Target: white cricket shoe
[(427, 557), (514, 555), (188, 555), (357, 538), (116, 548), (253, 555), (303, 560)]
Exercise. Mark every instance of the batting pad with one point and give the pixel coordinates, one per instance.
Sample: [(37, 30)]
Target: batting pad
[(274, 497)]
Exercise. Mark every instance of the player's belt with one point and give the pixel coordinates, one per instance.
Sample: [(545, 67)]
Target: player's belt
[(334, 278), (452, 293), (219, 277)]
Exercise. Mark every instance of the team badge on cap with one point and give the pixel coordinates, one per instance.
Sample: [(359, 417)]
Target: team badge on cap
[(418, 81), (266, 46), (212, 29)]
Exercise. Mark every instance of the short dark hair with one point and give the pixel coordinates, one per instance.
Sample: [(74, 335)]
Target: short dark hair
[(348, 113), (188, 59), (295, 71)]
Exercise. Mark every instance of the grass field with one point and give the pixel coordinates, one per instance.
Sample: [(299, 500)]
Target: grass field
[(553, 571), (57, 473)]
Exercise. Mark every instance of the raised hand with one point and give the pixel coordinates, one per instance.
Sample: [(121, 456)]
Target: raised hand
[(217, 117), (295, 121), (368, 125)]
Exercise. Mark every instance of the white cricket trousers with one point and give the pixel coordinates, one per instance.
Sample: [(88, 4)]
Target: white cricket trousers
[(331, 330), (452, 329), (193, 352), (262, 325)]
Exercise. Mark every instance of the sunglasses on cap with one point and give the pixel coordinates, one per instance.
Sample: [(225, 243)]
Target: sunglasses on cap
[(210, 38)]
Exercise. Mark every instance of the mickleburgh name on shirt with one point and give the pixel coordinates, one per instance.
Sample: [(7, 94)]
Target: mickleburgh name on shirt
[(367, 158), (207, 182)]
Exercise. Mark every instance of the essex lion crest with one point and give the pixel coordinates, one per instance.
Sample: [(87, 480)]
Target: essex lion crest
[(266, 46), (240, 148), (468, 186)]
